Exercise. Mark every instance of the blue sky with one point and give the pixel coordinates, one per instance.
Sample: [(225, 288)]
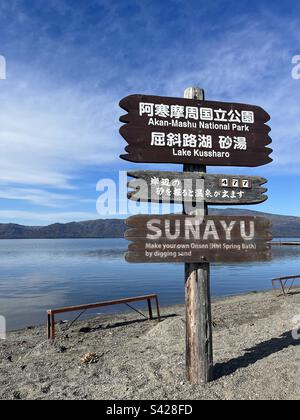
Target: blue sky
[(70, 62)]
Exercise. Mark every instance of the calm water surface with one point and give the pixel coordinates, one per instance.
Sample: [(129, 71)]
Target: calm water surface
[(36, 275)]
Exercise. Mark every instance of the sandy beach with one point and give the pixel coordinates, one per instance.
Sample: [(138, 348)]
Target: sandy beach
[(255, 355)]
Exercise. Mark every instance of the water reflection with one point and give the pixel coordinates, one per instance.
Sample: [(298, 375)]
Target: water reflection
[(36, 275)]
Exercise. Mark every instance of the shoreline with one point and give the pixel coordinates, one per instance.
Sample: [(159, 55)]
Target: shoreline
[(112, 314), (255, 355)]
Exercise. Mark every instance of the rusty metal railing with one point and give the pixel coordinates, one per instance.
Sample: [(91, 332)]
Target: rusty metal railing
[(52, 312), (283, 281)]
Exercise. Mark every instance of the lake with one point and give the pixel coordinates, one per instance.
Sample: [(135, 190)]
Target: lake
[(36, 275)]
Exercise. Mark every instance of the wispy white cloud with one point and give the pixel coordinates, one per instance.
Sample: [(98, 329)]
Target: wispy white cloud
[(35, 196), (46, 138)]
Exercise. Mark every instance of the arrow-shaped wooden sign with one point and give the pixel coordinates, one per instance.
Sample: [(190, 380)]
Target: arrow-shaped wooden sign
[(176, 130), (181, 238), (183, 187)]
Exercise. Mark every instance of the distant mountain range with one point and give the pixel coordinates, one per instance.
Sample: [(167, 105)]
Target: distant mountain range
[(283, 226)]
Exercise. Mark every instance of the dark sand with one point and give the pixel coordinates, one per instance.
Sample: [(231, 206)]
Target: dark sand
[(255, 356)]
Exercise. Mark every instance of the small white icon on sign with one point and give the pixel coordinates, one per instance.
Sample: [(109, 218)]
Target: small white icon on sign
[(235, 183), (225, 182), (245, 183)]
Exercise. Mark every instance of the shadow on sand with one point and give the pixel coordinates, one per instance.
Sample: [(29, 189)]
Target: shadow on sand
[(254, 354), (123, 324)]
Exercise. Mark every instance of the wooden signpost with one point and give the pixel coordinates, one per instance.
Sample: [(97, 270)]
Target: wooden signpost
[(182, 238), (196, 133), (175, 130), (176, 187)]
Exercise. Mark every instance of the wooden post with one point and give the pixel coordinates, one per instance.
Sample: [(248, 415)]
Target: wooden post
[(199, 349), (157, 308), (150, 309), (51, 325), (48, 325)]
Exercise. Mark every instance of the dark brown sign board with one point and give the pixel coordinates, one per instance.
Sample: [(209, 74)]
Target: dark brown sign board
[(180, 187), (182, 238), (176, 130)]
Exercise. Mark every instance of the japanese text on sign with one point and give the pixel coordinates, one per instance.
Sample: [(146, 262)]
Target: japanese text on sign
[(195, 113)]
